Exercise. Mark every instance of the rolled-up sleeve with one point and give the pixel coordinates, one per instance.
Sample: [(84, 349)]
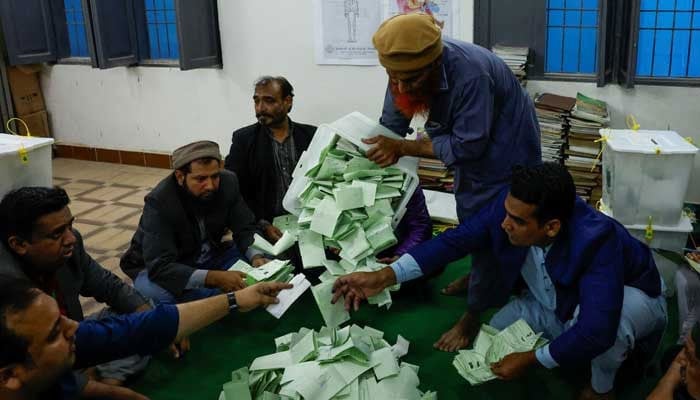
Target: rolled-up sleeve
[(470, 133)]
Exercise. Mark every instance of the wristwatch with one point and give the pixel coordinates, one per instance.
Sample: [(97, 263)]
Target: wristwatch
[(232, 303)]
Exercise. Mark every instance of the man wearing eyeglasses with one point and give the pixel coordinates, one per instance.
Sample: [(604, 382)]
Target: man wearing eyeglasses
[(480, 123)]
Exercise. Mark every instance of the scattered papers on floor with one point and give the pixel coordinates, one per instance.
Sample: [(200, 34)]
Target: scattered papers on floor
[(351, 363), (491, 346)]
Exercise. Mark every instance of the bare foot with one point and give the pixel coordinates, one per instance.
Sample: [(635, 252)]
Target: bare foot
[(589, 394), (457, 287), (461, 335)]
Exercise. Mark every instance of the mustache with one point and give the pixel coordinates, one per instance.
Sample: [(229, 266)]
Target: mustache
[(258, 115)]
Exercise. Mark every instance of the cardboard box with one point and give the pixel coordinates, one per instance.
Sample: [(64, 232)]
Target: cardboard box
[(38, 124), (26, 90)]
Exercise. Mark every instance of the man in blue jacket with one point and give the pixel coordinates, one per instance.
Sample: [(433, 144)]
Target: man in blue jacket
[(480, 123), (39, 346), (592, 289)]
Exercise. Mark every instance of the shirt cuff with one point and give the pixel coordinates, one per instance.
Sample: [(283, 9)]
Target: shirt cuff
[(197, 279), (406, 268), (545, 358), (252, 252)]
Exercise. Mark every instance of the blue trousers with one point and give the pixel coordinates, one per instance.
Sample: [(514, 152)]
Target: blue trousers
[(642, 318), (160, 295)]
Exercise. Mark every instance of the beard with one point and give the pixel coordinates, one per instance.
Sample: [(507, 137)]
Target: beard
[(202, 200), (270, 120), (417, 101)]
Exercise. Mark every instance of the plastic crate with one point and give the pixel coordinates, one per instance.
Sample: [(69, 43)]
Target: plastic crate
[(646, 174), (35, 170), (670, 238)]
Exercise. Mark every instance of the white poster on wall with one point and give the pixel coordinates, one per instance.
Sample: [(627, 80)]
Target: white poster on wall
[(344, 30), (447, 12)]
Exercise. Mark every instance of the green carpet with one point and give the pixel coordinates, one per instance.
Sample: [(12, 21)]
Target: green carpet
[(419, 316)]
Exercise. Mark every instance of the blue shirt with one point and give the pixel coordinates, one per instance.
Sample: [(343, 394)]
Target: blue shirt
[(481, 122), (534, 272), (99, 341)]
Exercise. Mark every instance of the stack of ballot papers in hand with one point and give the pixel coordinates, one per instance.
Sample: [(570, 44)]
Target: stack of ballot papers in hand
[(491, 346), (273, 271), (352, 363), (349, 204)]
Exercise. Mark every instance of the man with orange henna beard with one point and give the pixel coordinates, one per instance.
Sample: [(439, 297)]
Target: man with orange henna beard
[(480, 123)]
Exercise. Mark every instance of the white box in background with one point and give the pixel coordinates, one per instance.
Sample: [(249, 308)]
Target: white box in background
[(353, 127), (670, 238), (646, 174), (14, 173)]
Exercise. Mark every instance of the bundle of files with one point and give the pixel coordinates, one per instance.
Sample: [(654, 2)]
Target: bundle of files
[(352, 363), (492, 346), (434, 175), (552, 114), (349, 204), (583, 153), (515, 58)]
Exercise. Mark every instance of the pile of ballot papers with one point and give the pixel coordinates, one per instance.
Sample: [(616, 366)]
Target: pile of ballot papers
[(350, 363), (348, 204), (491, 346)]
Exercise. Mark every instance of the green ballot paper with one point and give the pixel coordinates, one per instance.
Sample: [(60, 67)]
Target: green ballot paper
[(352, 363)]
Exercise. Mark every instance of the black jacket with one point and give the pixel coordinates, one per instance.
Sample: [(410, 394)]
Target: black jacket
[(80, 276), (168, 241), (252, 160)]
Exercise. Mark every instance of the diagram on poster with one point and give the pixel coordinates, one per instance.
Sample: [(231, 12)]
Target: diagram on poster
[(344, 30)]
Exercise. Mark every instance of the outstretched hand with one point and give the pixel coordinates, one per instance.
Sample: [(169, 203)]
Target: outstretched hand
[(359, 286), (259, 295)]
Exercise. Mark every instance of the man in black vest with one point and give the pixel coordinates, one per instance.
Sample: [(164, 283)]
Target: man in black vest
[(264, 155)]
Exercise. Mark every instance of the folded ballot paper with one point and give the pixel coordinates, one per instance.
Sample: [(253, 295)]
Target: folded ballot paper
[(352, 363), (491, 346), (288, 297), (283, 244)]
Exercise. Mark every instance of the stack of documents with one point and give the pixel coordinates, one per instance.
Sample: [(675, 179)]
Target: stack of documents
[(273, 271), (552, 113), (587, 118), (516, 58), (491, 346), (434, 175), (350, 363)]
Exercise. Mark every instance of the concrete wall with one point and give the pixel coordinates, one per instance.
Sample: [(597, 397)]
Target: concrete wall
[(158, 109)]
